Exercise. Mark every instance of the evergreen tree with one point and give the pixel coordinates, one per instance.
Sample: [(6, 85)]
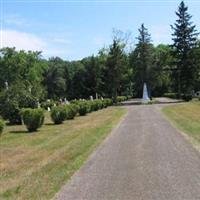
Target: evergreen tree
[(185, 41), (141, 60), (114, 69)]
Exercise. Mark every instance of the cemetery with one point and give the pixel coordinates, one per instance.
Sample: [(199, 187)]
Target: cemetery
[(123, 123)]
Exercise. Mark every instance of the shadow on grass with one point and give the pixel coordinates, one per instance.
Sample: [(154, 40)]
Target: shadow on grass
[(19, 132), (49, 124)]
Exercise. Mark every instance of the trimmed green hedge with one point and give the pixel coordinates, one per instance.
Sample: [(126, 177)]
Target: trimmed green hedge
[(82, 107), (71, 111), (32, 118), (121, 98), (58, 114), (171, 95), (2, 124)]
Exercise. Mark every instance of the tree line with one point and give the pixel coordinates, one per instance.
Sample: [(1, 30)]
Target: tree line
[(27, 76)]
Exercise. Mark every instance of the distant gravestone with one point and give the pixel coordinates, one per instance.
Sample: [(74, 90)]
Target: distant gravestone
[(145, 96), (66, 101), (91, 98)]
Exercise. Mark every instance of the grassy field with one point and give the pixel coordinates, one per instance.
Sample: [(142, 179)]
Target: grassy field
[(187, 118), (35, 166)]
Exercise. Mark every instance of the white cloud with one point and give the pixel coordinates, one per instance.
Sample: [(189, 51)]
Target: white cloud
[(26, 41), (22, 40)]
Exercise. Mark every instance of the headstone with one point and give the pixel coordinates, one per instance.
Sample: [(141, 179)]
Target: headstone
[(145, 96), (49, 109), (91, 98), (38, 104), (6, 84), (66, 101)]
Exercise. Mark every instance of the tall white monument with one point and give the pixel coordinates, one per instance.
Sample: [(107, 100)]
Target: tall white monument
[(145, 96)]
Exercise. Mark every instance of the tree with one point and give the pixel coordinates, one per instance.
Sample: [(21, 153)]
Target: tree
[(141, 60), (160, 73), (92, 75), (24, 67), (197, 58), (114, 69), (185, 41), (56, 78)]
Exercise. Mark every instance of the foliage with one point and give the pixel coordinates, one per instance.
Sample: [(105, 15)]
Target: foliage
[(121, 98), (185, 42), (32, 118), (13, 99), (56, 78), (83, 108), (187, 97), (142, 60), (71, 111), (2, 124), (58, 114), (171, 95), (113, 72), (49, 103)]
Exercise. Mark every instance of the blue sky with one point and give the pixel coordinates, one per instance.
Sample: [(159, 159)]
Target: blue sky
[(76, 29)]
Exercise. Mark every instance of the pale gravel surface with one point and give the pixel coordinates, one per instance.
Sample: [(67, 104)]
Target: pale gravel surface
[(145, 158)]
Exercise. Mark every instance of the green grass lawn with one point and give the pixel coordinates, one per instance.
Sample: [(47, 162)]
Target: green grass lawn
[(187, 118), (35, 166)]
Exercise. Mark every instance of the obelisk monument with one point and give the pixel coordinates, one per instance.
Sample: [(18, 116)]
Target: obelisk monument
[(145, 96)]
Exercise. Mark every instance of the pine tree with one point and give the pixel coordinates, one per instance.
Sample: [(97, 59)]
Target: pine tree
[(114, 69), (185, 41), (141, 60)]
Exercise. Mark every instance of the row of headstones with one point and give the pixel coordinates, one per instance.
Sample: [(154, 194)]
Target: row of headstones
[(65, 102)]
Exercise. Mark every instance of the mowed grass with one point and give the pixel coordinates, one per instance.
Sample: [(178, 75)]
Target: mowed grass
[(35, 166), (187, 118)]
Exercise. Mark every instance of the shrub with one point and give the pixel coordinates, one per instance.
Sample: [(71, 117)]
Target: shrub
[(121, 98), (171, 95), (10, 110), (108, 102), (187, 97), (58, 114), (83, 108), (70, 110), (95, 105), (2, 124), (32, 118)]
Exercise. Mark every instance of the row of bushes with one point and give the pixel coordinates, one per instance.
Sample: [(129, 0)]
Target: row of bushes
[(33, 118), (186, 97), (81, 107), (171, 95), (122, 98)]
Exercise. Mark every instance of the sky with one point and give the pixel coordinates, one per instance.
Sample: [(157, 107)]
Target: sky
[(76, 29)]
